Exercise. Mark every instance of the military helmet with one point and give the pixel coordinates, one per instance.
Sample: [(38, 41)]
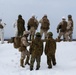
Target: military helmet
[(50, 34), (38, 34), (19, 16), (69, 16), (45, 15)]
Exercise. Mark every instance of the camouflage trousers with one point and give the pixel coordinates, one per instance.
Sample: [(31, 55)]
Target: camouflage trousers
[(51, 59), (68, 36), (24, 54), (38, 59), (45, 33), (32, 32), (62, 34)]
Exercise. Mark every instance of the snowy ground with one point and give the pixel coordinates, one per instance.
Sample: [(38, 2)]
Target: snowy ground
[(65, 56)]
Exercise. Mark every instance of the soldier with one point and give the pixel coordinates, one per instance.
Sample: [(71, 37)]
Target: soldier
[(36, 50), (23, 49), (32, 26), (61, 29), (44, 25), (20, 25), (69, 32), (50, 50), (2, 25)]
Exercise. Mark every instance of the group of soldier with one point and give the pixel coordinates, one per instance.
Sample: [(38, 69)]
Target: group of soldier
[(65, 29), (36, 46)]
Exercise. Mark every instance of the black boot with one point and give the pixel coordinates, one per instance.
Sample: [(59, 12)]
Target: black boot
[(21, 63), (27, 61), (31, 69), (37, 68)]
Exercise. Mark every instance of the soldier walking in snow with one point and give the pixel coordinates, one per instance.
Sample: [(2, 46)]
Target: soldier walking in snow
[(36, 50), (44, 26), (23, 49), (50, 50), (2, 25)]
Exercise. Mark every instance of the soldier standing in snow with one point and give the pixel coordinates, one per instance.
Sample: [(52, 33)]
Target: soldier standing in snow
[(50, 50), (69, 31), (2, 31), (36, 50), (23, 49), (61, 28), (44, 26), (20, 25), (32, 26)]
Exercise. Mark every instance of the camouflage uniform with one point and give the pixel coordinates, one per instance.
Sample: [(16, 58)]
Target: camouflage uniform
[(36, 50), (50, 50), (44, 25), (69, 31), (23, 49), (61, 29), (32, 26), (20, 25)]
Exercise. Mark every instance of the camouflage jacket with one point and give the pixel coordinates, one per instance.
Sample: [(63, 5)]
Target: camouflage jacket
[(20, 25), (62, 26), (32, 23), (50, 46), (36, 48), (70, 25), (44, 23)]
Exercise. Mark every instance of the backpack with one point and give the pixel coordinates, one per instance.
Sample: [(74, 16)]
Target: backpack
[(45, 24), (17, 42), (31, 22), (1, 26)]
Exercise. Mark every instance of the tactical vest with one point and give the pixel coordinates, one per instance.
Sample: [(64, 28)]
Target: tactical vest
[(45, 24), (32, 23), (63, 26)]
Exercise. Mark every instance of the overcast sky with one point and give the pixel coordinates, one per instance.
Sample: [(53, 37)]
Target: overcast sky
[(55, 10)]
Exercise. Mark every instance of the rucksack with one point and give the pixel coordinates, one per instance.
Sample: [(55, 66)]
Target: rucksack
[(1, 26), (17, 42), (45, 23)]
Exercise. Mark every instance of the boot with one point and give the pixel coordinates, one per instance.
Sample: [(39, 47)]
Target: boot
[(37, 68), (21, 63), (50, 66), (27, 61), (31, 68)]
